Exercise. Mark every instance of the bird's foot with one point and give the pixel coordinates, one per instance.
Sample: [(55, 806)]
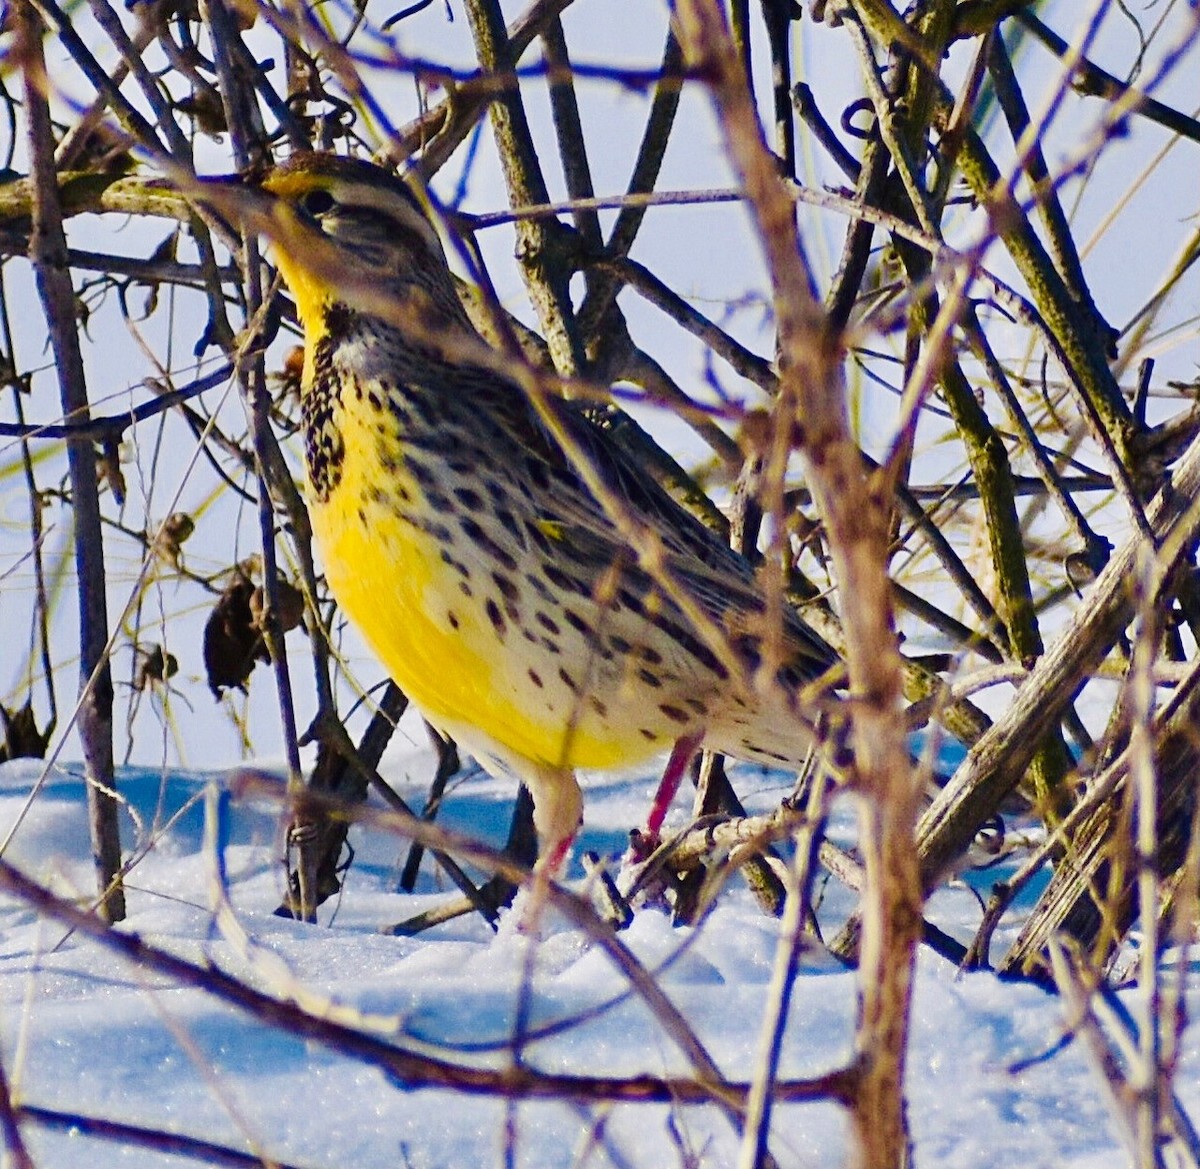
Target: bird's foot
[(645, 878), (643, 844)]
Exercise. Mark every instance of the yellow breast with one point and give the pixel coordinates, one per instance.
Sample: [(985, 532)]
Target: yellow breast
[(437, 642)]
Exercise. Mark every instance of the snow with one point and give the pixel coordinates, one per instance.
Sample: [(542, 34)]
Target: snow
[(85, 1031)]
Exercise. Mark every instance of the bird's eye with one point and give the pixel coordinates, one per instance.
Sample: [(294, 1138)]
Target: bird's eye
[(317, 202)]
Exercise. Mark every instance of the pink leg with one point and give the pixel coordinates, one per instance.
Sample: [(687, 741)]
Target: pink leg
[(557, 813), (547, 869), (551, 863), (681, 757)]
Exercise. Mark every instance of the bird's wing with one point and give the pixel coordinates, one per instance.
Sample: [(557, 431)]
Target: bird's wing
[(718, 579)]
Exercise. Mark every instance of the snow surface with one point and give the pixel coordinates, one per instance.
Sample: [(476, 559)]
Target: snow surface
[(85, 1031)]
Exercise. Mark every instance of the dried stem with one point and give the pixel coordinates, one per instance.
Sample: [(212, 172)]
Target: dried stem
[(812, 398), (48, 247)]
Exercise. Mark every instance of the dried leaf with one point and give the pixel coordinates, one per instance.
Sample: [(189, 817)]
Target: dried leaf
[(290, 602), (109, 468), (22, 739), (154, 667), (232, 642), (176, 528)]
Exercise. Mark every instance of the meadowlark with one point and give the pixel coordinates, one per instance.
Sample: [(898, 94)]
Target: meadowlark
[(532, 590)]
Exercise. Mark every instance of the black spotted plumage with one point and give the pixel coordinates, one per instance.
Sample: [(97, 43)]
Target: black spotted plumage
[(608, 621)]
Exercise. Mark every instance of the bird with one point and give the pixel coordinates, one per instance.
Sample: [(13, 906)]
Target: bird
[(536, 594)]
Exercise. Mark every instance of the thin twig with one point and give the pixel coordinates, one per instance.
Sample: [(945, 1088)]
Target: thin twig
[(48, 248)]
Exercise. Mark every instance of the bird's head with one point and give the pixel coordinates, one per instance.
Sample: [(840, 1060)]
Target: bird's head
[(343, 230)]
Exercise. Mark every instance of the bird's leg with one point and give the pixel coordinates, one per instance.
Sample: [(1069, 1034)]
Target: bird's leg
[(644, 842), (680, 759), (557, 814), (552, 860)]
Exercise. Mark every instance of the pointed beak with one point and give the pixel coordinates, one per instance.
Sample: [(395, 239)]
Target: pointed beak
[(240, 201), (309, 263)]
